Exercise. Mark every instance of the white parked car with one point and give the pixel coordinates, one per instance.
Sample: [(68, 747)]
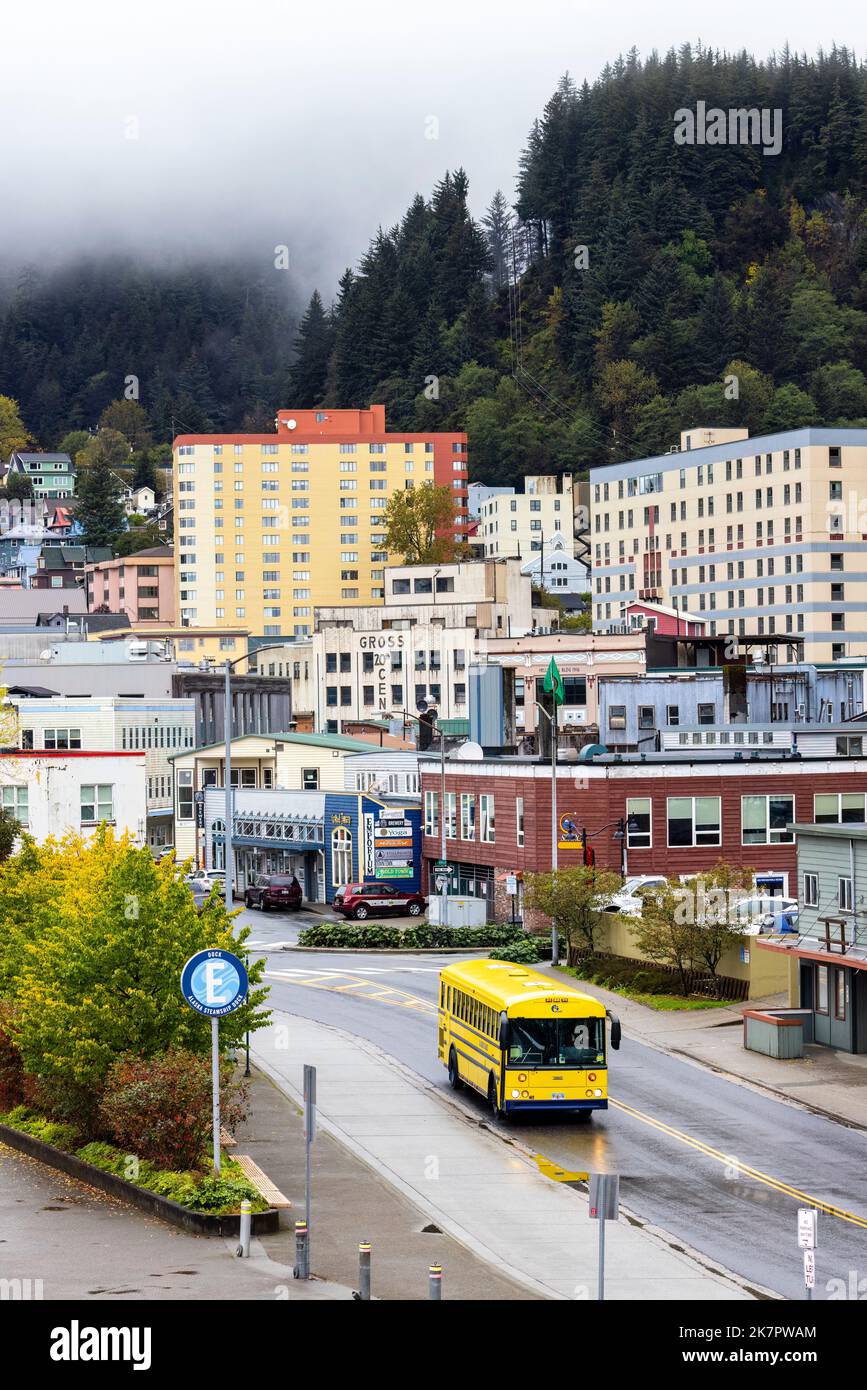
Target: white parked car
[(628, 900), (207, 876)]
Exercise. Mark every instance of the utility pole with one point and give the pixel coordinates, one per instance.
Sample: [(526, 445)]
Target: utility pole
[(228, 846)]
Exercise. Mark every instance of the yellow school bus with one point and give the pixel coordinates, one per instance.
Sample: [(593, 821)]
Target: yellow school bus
[(522, 1040)]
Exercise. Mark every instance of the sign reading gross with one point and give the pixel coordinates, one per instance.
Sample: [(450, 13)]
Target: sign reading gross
[(214, 983)]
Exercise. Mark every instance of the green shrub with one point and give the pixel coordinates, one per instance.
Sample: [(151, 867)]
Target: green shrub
[(376, 934), (159, 1108), (618, 972), (204, 1192), (40, 1127), (522, 953)]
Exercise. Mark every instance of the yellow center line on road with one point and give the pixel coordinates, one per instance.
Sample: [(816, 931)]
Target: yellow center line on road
[(402, 999), (743, 1169), (396, 998)]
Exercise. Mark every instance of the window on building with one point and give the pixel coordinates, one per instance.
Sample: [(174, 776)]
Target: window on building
[(845, 895), (821, 1002), (97, 802), (451, 815), (431, 813), (617, 717), (519, 821), (185, 795), (764, 820), (849, 746), (639, 834), (341, 856), (811, 890), (575, 690), (468, 816), (62, 738), (672, 716), (693, 821), (839, 808), (646, 717), (487, 820), (310, 779), (706, 714), (15, 803)]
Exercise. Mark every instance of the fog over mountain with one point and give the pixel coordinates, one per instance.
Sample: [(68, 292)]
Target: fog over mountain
[(204, 129)]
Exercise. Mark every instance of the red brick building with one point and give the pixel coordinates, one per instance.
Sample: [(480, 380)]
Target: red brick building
[(683, 815)]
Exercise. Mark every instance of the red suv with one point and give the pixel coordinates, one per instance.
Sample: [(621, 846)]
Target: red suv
[(274, 890), (361, 900)]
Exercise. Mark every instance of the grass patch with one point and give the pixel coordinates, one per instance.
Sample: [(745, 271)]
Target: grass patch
[(199, 1191), (641, 983)]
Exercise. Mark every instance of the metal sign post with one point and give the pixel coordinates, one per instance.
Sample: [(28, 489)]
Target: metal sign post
[(309, 1136), (604, 1206), (808, 1238), (215, 983)]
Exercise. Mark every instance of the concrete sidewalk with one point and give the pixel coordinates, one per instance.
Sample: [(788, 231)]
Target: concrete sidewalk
[(484, 1191), (72, 1242), (830, 1082)]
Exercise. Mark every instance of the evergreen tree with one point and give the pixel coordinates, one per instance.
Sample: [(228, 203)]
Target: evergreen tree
[(313, 346), (100, 510), (497, 222)]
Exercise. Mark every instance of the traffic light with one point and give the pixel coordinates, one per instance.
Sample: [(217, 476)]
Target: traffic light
[(426, 730)]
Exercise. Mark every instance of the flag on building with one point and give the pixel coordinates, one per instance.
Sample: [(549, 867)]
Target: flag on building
[(553, 682)]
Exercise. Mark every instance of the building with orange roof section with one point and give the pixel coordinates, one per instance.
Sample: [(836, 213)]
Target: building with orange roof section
[(270, 526)]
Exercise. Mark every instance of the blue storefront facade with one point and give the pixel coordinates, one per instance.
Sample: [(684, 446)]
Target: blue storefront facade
[(327, 839)]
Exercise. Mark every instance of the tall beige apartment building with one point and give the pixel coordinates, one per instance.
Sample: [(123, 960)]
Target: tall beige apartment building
[(269, 527), (764, 536)]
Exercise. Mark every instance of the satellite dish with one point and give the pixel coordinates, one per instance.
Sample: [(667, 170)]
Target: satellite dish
[(469, 752), (291, 424)]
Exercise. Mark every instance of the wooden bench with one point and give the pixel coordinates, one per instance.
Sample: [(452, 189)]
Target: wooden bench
[(273, 1196)]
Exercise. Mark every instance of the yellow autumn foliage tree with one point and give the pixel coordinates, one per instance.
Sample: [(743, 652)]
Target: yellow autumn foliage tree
[(93, 937)]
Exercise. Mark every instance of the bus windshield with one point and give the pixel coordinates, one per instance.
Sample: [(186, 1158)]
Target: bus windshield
[(556, 1042)]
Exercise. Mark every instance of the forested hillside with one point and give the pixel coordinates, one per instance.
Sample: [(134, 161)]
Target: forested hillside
[(702, 263), (210, 345)]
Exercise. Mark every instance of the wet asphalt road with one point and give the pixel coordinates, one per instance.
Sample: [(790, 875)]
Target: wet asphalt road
[(680, 1136)]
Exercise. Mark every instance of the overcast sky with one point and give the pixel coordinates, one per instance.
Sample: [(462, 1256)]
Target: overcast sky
[(198, 124)]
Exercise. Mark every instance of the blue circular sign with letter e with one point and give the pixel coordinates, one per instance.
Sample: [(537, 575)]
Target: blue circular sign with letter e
[(214, 983)]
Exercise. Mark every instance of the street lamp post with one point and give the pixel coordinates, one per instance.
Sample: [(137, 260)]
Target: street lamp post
[(552, 720), (624, 825), (443, 877), (228, 845)]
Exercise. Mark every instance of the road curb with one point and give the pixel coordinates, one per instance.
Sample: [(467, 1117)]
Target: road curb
[(392, 950), (198, 1223)]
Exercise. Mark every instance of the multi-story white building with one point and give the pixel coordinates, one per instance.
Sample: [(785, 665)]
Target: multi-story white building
[(517, 523), (368, 663), (153, 728), (764, 536), (54, 791)]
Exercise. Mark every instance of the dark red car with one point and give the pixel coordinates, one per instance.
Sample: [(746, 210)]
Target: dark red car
[(361, 900), (274, 890)]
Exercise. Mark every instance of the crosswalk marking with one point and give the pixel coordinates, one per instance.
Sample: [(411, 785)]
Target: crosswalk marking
[(348, 982)]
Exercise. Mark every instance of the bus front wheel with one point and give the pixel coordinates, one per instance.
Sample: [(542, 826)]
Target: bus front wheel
[(454, 1075)]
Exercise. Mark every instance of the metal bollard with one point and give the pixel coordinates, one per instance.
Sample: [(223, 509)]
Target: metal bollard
[(246, 1226), (435, 1282), (364, 1271), (302, 1268)]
